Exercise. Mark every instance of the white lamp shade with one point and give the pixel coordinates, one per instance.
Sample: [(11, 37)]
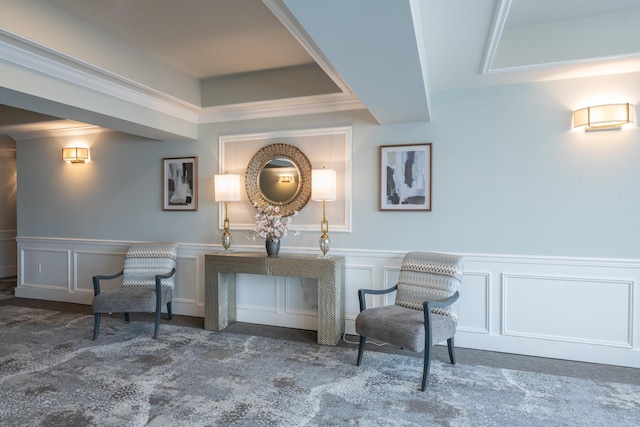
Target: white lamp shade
[(603, 116), (323, 184), (227, 187), (75, 154)]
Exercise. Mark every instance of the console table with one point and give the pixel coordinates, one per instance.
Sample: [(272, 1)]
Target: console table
[(220, 287)]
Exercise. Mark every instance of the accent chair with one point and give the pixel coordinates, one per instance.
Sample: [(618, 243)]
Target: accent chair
[(147, 284), (425, 311)]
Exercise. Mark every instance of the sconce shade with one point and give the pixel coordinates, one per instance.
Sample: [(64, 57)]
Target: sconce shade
[(75, 154), (323, 184), (286, 178), (227, 187), (611, 116)]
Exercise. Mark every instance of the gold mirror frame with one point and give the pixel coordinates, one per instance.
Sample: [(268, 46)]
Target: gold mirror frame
[(260, 160)]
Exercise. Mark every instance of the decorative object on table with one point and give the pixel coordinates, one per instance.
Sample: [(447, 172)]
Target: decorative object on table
[(227, 189), (425, 310), (180, 184), (273, 247), (271, 225), (323, 188), (405, 177)]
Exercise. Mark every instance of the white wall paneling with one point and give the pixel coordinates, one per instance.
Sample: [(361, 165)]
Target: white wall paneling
[(278, 301), (475, 302), (575, 309), (356, 277), (572, 308), (91, 263)]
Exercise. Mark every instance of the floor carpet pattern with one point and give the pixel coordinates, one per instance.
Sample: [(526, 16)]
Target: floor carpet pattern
[(53, 374)]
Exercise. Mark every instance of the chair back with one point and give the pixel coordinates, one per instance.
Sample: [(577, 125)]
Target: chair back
[(146, 260), (428, 276)]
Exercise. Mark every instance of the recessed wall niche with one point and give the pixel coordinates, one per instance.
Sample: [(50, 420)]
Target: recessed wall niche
[(327, 147)]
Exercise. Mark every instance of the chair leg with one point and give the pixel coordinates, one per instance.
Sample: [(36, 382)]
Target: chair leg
[(126, 317), (427, 366), (96, 325), (363, 341), (169, 315), (452, 351), (155, 332)]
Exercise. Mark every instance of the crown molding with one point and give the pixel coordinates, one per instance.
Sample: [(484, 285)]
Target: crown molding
[(281, 108), (55, 128), (499, 20), (34, 56), (39, 58)]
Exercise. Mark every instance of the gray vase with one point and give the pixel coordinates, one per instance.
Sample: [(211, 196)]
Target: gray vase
[(273, 247)]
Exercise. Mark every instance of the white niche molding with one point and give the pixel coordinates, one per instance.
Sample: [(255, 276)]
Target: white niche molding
[(325, 147)]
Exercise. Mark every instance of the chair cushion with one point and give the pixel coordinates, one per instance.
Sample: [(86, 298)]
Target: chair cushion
[(403, 327), (146, 260), (130, 300), (428, 276)]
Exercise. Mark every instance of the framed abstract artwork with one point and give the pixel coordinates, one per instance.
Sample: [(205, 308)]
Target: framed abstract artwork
[(405, 177), (180, 184)]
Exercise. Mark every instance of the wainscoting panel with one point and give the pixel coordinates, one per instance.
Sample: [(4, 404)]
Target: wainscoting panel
[(560, 307), (576, 309), (187, 279), (46, 268), (356, 277), (301, 296), (391, 275), (258, 293), (474, 304), (92, 263)]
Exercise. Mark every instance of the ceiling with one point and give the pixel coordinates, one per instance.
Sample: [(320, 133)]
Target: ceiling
[(390, 55)]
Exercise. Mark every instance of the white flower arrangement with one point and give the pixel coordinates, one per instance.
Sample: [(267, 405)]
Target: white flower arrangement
[(270, 224)]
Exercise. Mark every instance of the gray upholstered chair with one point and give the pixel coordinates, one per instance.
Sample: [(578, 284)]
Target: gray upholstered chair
[(425, 310), (147, 284)]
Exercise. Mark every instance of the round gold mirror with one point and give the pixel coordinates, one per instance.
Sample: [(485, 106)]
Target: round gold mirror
[(280, 175)]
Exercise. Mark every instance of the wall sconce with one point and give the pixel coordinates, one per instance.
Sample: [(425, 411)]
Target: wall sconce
[(603, 117), (286, 178), (227, 189), (323, 187), (75, 154)]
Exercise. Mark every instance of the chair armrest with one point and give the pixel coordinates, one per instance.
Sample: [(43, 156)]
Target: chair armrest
[(428, 305), (363, 292), (159, 278), (96, 281)]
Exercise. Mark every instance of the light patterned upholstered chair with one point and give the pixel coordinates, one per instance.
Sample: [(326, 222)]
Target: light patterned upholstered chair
[(147, 284), (425, 310)]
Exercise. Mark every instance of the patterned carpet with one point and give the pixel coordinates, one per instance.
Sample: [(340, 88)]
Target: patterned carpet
[(53, 374)]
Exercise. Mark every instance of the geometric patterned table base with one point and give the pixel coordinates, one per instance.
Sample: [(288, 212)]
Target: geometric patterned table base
[(220, 287)]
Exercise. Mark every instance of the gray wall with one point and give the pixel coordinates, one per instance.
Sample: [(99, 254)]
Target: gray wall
[(8, 223), (509, 177)]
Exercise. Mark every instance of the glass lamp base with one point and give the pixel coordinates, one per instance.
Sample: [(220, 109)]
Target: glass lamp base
[(226, 242), (325, 245)]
